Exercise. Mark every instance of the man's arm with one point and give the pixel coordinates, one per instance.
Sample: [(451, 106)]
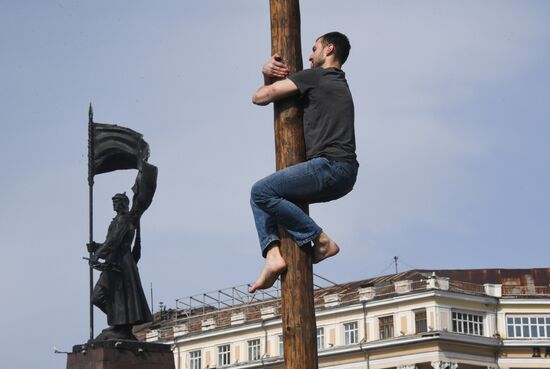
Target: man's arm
[(274, 68), (276, 91)]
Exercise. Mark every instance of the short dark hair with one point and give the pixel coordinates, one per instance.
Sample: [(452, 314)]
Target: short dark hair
[(340, 42)]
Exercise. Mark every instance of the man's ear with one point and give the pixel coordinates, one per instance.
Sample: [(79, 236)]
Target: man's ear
[(329, 49)]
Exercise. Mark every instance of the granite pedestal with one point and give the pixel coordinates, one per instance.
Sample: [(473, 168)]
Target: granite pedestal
[(120, 354)]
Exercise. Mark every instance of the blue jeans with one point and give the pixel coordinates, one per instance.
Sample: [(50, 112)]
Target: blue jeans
[(274, 198)]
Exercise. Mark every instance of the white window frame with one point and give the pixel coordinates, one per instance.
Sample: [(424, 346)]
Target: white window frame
[(281, 345), (320, 338), (351, 333), (468, 322), (532, 326), (224, 355), (254, 353), (195, 358)]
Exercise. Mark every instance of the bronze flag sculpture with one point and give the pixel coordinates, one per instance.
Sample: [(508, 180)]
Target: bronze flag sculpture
[(118, 291)]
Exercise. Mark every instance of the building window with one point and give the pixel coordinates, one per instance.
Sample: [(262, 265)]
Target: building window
[(528, 326), (467, 323), (224, 355), (420, 321), (254, 350), (351, 333), (385, 324), (195, 360), (281, 345), (320, 338)]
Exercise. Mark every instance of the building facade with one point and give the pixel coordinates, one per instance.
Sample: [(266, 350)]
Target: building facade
[(419, 319)]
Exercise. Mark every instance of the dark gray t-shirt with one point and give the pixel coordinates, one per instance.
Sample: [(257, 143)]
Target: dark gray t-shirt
[(328, 113)]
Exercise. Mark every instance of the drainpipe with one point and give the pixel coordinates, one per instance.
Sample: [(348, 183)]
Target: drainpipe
[(367, 361), (364, 339), (176, 346)]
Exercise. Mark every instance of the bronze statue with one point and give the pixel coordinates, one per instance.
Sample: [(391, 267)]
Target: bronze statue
[(118, 292)]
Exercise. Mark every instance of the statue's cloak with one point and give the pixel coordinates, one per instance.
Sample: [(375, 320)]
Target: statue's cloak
[(118, 293)]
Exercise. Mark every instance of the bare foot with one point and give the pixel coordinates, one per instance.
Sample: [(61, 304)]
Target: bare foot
[(273, 267), (324, 247)]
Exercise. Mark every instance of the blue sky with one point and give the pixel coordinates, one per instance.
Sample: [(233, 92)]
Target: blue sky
[(452, 124)]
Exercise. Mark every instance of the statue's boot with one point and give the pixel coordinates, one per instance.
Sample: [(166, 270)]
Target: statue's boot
[(125, 332), (117, 332)]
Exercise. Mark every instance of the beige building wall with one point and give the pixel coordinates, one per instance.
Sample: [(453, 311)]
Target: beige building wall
[(407, 348)]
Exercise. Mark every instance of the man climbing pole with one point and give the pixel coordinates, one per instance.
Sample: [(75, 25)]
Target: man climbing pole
[(331, 167)]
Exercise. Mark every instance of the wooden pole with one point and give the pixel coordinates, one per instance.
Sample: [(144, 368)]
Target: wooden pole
[(298, 310)]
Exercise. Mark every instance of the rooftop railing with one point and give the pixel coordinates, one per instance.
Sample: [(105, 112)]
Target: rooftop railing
[(526, 290)]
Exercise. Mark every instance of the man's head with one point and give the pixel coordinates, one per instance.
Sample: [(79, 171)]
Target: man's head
[(330, 49), (121, 202)]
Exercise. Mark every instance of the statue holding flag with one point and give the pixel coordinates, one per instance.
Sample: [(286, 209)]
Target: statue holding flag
[(118, 291)]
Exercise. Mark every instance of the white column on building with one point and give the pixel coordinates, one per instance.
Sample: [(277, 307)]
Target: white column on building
[(410, 366), (490, 320), (437, 322), (444, 365)]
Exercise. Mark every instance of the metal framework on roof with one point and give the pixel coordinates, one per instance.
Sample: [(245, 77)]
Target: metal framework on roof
[(237, 296)]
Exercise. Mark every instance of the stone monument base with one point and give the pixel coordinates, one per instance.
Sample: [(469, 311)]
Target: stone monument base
[(120, 354)]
